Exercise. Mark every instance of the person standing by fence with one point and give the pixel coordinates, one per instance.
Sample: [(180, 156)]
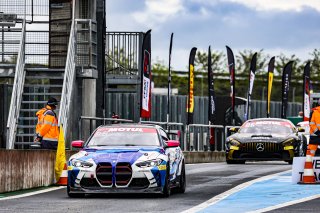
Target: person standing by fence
[(47, 130)]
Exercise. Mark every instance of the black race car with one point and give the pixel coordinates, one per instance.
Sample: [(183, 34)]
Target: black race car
[(264, 139)]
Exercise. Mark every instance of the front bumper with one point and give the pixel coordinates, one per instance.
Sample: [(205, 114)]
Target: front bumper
[(111, 179), (285, 155), (113, 190)]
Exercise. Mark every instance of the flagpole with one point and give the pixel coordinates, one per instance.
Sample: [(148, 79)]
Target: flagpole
[(169, 83)]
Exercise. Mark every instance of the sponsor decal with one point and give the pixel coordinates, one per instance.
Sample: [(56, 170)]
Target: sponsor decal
[(261, 123), (162, 167), (146, 93), (298, 168), (105, 130)]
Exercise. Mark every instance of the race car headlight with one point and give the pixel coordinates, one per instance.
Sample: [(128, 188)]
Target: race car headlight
[(149, 163), (233, 142), (288, 142), (80, 163)]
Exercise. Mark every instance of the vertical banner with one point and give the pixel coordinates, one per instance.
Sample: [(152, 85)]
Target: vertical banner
[(231, 66), (145, 110), (251, 81), (270, 81), (286, 78), (211, 94), (306, 92), (190, 101), (169, 80)]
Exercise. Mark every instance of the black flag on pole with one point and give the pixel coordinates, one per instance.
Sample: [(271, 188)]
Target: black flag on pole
[(169, 79), (306, 92), (145, 110), (211, 94), (190, 101), (231, 66), (251, 82), (286, 78), (270, 81)]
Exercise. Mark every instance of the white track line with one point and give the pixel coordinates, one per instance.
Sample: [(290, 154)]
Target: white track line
[(225, 194), (286, 204), (31, 193)]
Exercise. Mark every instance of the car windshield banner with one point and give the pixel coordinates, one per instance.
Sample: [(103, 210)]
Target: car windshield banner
[(286, 78), (270, 80), (231, 66), (190, 104), (306, 92), (145, 111), (212, 98), (251, 81)]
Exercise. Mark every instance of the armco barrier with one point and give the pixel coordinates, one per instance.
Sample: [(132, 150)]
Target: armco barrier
[(26, 169)]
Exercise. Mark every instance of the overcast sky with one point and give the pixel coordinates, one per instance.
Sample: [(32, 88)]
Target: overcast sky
[(277, 26)]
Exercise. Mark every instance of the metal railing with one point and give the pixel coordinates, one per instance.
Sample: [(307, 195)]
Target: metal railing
[(86, 39), (17, 91), (193, 137), (93, 125), (68, 81), (122, 52), (198, 137)]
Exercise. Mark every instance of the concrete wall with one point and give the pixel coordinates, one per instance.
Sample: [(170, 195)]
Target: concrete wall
[(25, 169)]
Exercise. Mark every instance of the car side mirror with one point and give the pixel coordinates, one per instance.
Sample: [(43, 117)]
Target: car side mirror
[(172, 143), (300, 129), (77, 144)]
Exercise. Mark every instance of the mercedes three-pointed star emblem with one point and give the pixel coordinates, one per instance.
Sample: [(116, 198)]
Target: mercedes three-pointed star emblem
[(260, 147)]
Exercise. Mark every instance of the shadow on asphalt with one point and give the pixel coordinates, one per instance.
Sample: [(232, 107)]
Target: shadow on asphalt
[(126, 196)]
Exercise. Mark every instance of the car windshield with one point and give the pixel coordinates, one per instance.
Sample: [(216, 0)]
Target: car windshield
[(118, 136), (267, 127)]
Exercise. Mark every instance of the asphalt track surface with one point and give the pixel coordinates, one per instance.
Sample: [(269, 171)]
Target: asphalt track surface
[(204, 181)]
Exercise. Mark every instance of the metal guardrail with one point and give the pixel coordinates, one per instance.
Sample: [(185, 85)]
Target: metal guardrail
[(198, 132), (104, 121), (68, 81), (198, 137), (17, 91)]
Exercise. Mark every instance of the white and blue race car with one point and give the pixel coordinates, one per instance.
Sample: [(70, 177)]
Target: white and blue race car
[(126, 158)]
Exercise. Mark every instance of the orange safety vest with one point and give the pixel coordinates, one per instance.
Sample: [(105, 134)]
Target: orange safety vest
[(315, 121), (47, 126)]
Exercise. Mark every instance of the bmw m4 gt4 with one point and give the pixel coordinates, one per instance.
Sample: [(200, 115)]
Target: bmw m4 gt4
[(126, 158)]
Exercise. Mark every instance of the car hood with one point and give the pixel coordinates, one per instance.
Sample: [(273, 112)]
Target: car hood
[(118, 154), (248, 137)]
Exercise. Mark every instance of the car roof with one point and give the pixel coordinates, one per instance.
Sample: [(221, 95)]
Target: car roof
[(269, 119)]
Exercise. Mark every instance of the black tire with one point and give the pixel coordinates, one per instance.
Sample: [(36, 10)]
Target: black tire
[(74, 195), (182, 182), (235, 161), (304, 146), (241, 162), (166, 191), (231, 161)]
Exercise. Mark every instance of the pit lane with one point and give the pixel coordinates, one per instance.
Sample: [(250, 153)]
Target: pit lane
[(204, 181)]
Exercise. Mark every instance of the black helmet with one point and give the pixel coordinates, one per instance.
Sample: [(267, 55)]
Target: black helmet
[(52, 101)]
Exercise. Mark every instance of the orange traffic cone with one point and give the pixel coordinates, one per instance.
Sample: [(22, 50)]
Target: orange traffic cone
[(308, 173), (63, 180)]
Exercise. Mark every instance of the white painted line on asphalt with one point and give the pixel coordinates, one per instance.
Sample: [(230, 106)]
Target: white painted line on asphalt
[(225, 194), (32, 193), (286, 204)]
